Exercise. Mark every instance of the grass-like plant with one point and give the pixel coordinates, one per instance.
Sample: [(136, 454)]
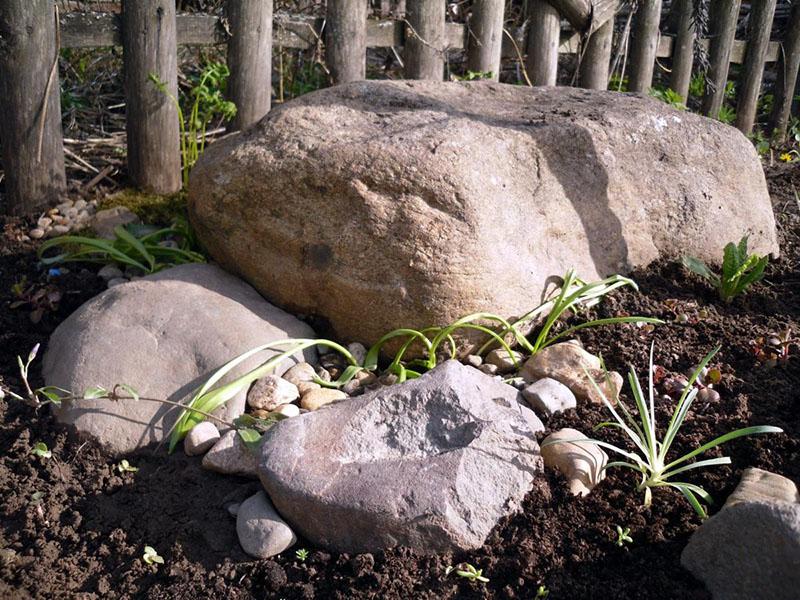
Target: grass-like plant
[(739, 270), (650, 456), (146, 252)]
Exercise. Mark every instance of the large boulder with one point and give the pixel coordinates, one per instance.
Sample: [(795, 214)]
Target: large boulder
[(433, 464), (378, 205), (163, 335)]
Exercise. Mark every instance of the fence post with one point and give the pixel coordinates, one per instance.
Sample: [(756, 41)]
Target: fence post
[(30, 119), (346, 40), (724, 14), (761, 16), (683, 50), (543, 40), (644, 44), (597, 57), (425, 40), (485, 37), (149, 47), (250, 60), (788, 65)]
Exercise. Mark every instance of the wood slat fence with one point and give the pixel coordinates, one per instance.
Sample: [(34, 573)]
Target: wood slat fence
[(149, 31)]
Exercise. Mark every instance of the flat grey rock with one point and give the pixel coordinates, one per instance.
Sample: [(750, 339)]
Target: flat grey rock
[(230, 456), (548, 396), (433, 464), (164, 335)]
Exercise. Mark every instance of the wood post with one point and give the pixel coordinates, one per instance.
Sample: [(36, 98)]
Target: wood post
[(543, 41), (596, 59), (788, 65), (30, 119), (425, 39), (644, 44), (724, 14), (485, 37), (683, 49), (346, 40), (149, 47), (761, 15), (250, 60)]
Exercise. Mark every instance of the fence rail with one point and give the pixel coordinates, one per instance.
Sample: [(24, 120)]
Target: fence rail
[(150, 32)]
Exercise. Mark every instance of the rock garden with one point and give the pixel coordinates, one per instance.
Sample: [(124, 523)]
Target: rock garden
[(546, 351)]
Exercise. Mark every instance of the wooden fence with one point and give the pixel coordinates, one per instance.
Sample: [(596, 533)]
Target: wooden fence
[(149, 31)]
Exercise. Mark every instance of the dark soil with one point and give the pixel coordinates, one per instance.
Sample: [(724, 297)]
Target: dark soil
[(84, 537)]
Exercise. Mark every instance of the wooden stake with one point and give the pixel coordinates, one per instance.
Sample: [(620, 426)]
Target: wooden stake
[(644, 44), (596, 59), (346, 40), (543, 41), (749, 87), (724, 14), (788, 65), (683, 49), (425, 41), (485, 37)]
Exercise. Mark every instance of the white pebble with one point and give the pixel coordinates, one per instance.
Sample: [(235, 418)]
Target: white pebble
[(37, 233), (44, 222), (287, 410)]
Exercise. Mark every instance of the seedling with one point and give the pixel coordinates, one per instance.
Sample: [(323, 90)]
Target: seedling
[(739, 270), (41, 450), (301, 554), (623, 536), (649, 457), (124, 466), (36, 498), (541, 593), (150, 556), (467, 571), (773, 349)]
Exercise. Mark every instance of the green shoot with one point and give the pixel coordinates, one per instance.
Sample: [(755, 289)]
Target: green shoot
[(467, 571), (541, 593), (301, 554), (124, 466), (150, 556), (650, 455), (41, 450), (739, 270), (623, 536)]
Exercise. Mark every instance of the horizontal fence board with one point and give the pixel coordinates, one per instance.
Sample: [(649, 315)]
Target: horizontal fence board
[(91, 30)]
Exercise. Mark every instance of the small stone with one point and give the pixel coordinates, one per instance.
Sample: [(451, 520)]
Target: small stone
[(80, 204), (64, 206), (200, 438), (61, 229), (581, 462), (233, 509), (71, 213), (287, 410), (548, 396), (262, 532), (366, 378), (323, 374), (116, 281), (37, 233), (306, 386), (352, 387), (109, 272), (488, 369), (260, 413), (505, 362), (758, 485), (316, 399), (708, 395), (44, 222), (359, 352), (299, 373), (387, 379), (230, 456), (106, 220), (269, 392), (473, 360)]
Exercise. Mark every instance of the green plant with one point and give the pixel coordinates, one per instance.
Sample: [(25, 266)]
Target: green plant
[(739, 269), (473, 76), (41, 450), (617, 83), (541, 593), (573, 295), (124, 466), (726, 114), (40, 298), (650, 455), (149, 252), (697, 85), (150, 556), (623, 536), (760, 141), (467, 571), (670, 96), (207, 102), (301, 554)]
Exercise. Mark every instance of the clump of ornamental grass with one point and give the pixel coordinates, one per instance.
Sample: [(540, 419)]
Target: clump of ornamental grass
[(650, 456)]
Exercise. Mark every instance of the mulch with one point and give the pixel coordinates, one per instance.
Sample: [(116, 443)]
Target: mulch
[(73, 526)]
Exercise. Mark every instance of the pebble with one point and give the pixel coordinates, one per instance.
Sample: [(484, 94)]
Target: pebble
[(504, 361), (116, 281), (262, 532), (359, 352), (61, 229), (233, 509), (323, 374), (269, 392), (306, 386), (287, 410), (230, 456), (109, 272), (473, 360), (581, 462), (200, 438), (316, 399), (44, 222), (36, 233), (548, 396), (299, 373), (80, 204), (488, 369)]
